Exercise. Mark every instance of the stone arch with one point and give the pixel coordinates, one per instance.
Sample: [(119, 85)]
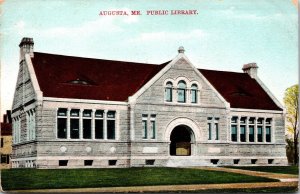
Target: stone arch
[(182, 121)]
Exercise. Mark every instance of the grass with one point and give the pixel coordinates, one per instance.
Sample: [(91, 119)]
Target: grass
[(274, 169), (18, 179)]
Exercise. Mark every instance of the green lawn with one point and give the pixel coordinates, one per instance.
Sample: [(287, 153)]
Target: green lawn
[(14, 179), (273, 169)]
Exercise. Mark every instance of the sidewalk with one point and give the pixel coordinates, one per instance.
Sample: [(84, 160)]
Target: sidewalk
[(168, 188), (281, 177)]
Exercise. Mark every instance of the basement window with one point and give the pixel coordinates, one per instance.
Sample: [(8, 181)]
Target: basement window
[(253, 161), (270, 161), (88, 163), (236, 161), (112, 162), (63, 162), (214, 161), (150, 162)]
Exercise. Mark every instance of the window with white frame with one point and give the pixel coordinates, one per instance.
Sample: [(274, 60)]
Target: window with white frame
[(62, 123), (243, 129), (259, 129), (181, 91), (99, 124), (17, 129), (194, 91), (216, 121), (153, 127), (213, 124), (268, 129), (30, 124), (144, 126), (74, 123), (234, 128), (251, 129), (111, 125), (87, 124), (169, 92)]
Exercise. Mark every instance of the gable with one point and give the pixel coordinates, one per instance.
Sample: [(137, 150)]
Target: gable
[(84, 78), (180, 69), (24, 91)]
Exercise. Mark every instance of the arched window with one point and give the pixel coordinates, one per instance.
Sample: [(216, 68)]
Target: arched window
[(181, 90), (194, 95), (168, 92)]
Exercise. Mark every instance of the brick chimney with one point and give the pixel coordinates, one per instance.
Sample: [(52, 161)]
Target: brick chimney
[(251, 69), (26, 46)]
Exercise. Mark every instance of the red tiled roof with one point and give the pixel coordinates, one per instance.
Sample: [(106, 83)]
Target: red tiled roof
[(240, 90), (84, 78), (98, 79), (6, 129)]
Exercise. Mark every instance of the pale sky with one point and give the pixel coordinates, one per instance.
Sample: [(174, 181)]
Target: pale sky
[(224, 35)]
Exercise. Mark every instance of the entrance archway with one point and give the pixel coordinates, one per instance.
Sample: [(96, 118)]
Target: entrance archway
[(181, 139)]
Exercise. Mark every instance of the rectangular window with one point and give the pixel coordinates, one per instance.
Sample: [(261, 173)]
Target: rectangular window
[(234, 119), (74, 128), (243, 133), (87, 128), (99, 114), (153, 129), (153, 126), (144, 123), (111, 114), (87, 113), (62, 128), (74, 113), (233, 133), (268, 121), (236, 161), (243, 120), (217, 130), (87, 124), (99, 129), (194, 96), (209, 131), (259, 133), (112, 162), (168, 94), (149, 162), (251, 133), (181, 95), (62, 112), (88, 162), (270, 161), (63, 162), (2, 143), (268, 133), (4, 159), (74, 124), (251, 120), (111, 128), (253, 161)]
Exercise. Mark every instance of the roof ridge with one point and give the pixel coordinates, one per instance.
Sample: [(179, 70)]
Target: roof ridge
[(132, 62), (222, 71)]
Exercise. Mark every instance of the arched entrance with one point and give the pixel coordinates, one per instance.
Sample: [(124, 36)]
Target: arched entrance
[(181, 139)]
